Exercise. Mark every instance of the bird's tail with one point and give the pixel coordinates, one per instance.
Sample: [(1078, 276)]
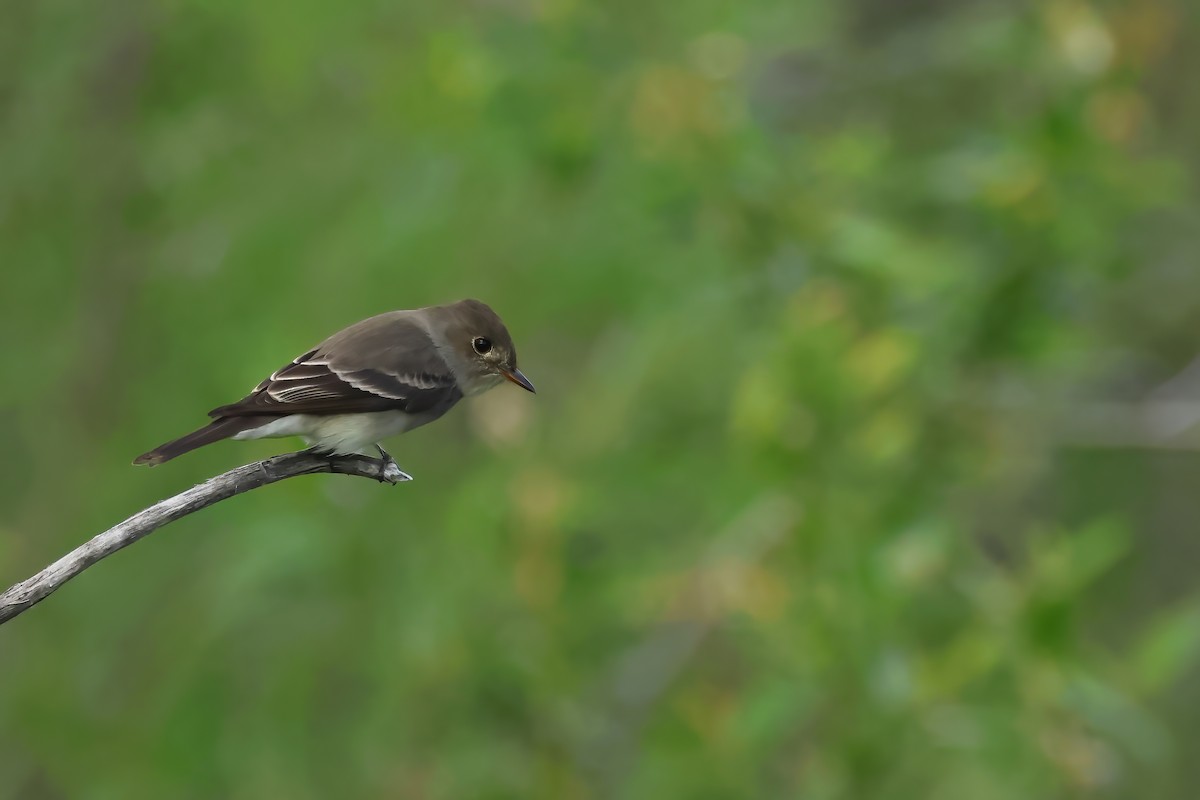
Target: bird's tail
[(213, 432)]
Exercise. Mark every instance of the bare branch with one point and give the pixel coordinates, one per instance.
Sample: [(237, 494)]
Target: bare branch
[(24, 595)]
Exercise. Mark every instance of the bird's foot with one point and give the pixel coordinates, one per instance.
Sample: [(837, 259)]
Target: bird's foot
[(391, 470)]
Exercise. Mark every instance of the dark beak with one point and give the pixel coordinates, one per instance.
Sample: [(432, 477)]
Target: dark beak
[(520, 380)]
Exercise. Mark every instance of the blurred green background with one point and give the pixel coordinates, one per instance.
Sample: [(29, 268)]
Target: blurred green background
[(863, 463)]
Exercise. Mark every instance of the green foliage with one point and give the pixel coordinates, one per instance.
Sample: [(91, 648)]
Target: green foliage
[(836, 314)]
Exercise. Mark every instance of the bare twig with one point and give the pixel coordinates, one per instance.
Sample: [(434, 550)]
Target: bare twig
[(29, 592)]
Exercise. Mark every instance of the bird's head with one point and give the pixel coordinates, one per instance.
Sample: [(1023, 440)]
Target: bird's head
[(482, 346)]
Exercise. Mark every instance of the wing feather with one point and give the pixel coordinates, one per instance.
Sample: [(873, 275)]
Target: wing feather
[(380, 364)]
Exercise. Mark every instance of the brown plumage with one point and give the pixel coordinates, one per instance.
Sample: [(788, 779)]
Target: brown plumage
[(384, 375)]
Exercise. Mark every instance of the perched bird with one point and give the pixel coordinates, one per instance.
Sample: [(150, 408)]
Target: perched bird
[(378, 378)]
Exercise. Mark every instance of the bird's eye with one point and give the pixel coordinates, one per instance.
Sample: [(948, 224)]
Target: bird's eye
[(482, 346)]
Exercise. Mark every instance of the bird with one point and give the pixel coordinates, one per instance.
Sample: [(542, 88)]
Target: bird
[(380, 377)]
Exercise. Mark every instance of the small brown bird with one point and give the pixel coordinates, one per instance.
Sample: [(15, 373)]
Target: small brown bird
[(378, 378)]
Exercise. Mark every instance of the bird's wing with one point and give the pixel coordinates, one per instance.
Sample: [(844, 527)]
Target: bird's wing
[(381, 364)]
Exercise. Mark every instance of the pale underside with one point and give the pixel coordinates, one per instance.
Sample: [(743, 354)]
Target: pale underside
[(340, 433)]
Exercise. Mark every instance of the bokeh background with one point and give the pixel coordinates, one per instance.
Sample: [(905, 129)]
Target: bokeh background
[(864, 460)]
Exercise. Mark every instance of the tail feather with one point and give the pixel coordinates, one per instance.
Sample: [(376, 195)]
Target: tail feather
[(213, 432)]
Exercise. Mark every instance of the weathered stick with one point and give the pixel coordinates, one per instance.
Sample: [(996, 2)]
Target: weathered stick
[(24, 595)]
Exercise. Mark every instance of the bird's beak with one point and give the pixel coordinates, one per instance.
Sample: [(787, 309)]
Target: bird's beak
[(520, 380)]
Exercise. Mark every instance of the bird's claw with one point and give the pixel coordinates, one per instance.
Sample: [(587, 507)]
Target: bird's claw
[(391, 470)]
